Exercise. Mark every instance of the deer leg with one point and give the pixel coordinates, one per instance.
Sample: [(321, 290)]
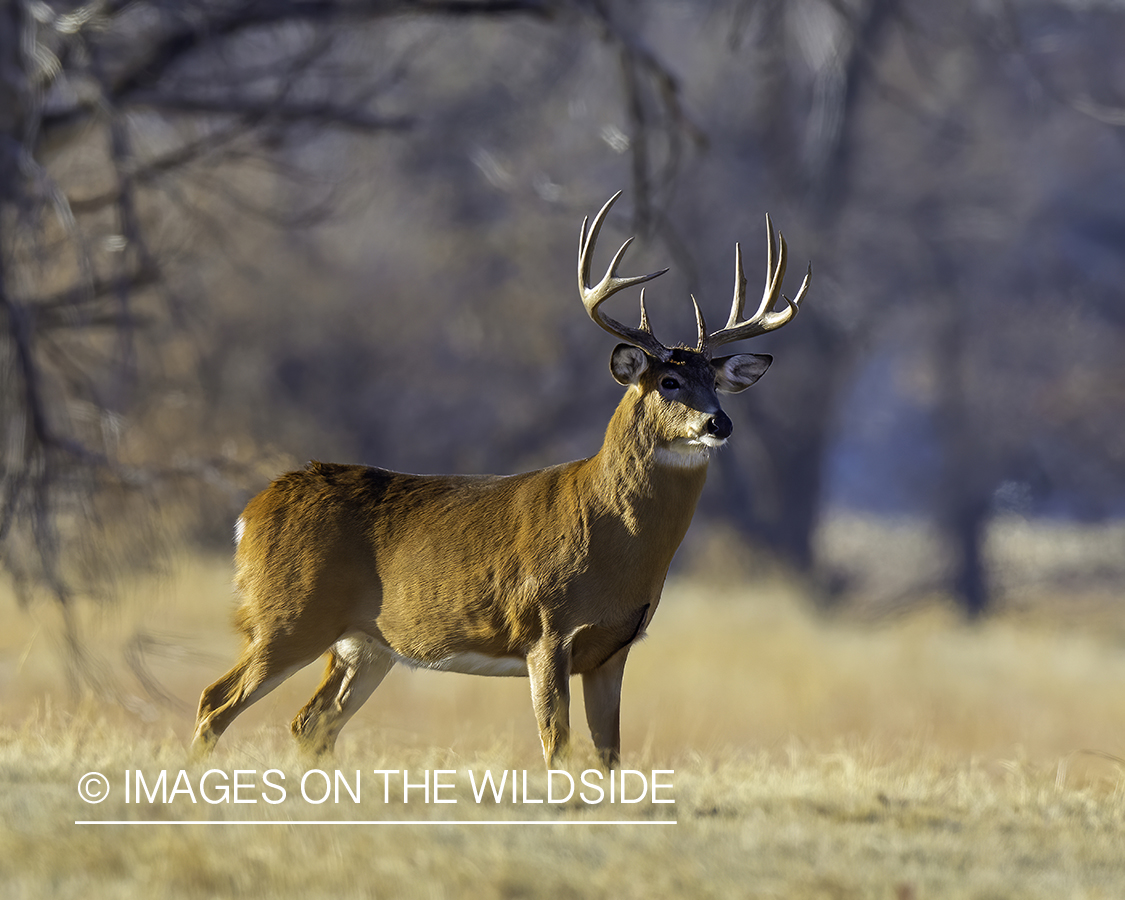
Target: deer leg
[(548, 667), (356, 667), (260, 669), (601, 692)]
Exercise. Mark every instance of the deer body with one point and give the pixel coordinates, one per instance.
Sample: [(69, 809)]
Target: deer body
[(544, 574)]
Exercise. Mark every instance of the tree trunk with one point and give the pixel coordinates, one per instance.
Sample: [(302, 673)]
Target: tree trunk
[(966, 478)]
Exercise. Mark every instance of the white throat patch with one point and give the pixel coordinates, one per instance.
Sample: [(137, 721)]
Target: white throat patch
[(689, 457)]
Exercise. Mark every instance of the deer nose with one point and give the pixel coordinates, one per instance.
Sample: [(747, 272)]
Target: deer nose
[(720, 425)]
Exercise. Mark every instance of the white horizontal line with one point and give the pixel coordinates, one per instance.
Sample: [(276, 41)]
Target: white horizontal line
[(367, 822)]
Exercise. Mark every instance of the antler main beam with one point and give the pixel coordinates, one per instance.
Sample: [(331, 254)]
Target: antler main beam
[(611, 283), (767, 317)]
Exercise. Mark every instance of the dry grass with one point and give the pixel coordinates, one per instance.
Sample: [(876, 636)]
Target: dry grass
[(916, 759)]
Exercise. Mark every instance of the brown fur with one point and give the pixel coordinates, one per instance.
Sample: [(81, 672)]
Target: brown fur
[(550, 573)]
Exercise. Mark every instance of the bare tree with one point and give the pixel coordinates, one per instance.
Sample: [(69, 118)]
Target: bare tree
[(885, 136), (131, 133), (901, 129)]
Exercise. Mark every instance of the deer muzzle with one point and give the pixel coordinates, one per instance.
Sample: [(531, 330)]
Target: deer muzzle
[(719, 426)]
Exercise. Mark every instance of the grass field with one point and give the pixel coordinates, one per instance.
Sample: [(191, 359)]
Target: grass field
[(806, 757)]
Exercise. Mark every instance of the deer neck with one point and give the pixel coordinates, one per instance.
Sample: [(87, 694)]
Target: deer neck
[(654, 490)]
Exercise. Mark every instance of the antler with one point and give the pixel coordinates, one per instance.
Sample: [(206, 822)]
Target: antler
[(611, 283), (767, 318)]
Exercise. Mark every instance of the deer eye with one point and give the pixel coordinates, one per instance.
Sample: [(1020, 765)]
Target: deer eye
[(670, 384)]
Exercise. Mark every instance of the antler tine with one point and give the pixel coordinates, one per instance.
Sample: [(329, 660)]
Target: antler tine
[(767, 317), (740, 283), (795, 303), (701, 346), (611, 283), (777, 257), (644, 326)]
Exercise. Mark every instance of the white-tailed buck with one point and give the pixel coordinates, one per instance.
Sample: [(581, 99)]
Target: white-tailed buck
[(547, 574)]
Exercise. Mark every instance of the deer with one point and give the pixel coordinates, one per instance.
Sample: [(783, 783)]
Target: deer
[(545, 574)]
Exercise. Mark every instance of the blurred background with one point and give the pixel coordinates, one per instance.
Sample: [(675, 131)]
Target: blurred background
[(236, 236)]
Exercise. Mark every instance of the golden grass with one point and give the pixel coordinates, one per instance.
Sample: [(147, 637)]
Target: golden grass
[(915, 759)]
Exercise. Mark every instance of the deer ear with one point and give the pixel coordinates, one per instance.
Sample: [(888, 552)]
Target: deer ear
[(737, 373), (627, 363)]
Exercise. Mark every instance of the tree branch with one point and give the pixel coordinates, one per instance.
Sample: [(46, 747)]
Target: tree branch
[(261, 110)]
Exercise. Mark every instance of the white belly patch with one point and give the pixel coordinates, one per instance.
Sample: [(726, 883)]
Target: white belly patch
[(357, 643), (469, 663)]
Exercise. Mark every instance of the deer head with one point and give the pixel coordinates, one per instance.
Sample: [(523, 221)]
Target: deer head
[(680, 384)]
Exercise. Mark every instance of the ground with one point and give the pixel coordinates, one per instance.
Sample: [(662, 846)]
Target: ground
[(808, 756)]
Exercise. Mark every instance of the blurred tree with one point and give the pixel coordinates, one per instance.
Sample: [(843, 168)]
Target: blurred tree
[(981, 118), (947, 168), (136, 139)]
